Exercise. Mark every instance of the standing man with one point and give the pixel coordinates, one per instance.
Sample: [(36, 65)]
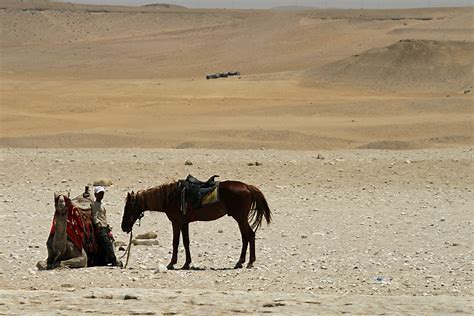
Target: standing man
[(99, 216)]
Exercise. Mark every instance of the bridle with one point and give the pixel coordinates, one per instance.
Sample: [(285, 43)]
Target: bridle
[(136, 209)]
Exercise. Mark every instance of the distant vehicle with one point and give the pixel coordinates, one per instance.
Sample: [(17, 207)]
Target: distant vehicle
[(222, 75)]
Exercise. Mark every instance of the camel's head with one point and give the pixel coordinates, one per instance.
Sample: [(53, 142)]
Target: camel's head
[(131, 212), (60, 203)]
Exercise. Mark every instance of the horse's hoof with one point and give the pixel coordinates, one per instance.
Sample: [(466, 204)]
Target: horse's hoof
[(170, 267), (238, 265), (250, 265), (185, 266)]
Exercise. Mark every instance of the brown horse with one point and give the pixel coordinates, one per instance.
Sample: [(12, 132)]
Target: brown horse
[(241, 201)]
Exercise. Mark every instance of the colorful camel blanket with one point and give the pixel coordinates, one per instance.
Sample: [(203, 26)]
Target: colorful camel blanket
[(74, 227)]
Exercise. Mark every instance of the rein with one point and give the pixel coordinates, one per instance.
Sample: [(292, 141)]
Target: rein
[(127, 251), (129, 247)]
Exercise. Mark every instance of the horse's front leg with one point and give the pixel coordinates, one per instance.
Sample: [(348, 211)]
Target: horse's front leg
[(174, 258), (185, 231)]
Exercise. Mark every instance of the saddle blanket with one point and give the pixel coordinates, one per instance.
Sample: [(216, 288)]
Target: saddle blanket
[(211, 197)]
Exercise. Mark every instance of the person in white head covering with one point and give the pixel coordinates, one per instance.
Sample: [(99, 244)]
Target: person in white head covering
[(99, 216)]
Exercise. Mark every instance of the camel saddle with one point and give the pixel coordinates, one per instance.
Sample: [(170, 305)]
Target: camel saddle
[(193, 192), (83, 203)]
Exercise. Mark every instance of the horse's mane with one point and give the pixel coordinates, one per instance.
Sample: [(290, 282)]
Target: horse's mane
[(157, 198)]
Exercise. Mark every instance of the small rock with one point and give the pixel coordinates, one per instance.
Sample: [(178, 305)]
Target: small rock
[(66, 285), (188, 163), (220, 231), (144, 242), (258, 163), (102, 182), (161, 268), (120, 243), (130, 297), (251, 164), (149, 235)]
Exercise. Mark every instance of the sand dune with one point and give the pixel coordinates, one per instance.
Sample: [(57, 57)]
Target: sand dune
[(136, 77), (408, 64)]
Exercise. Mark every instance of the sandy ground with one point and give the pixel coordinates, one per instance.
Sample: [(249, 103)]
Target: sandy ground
[(380, 224), (358, 232)]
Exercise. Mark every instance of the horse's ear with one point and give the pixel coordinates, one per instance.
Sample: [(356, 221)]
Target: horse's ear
[(55, 195), (69, 193)]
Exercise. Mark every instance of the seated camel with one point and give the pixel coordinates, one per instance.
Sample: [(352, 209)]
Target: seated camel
[(72, 242)]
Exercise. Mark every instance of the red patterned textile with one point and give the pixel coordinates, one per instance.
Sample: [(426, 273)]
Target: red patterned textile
[(75, 226)]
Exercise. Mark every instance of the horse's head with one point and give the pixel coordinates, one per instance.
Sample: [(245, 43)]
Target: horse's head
[(131, 212), (61, 201)]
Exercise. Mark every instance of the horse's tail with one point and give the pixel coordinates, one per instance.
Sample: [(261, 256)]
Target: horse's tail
[(259, 208)]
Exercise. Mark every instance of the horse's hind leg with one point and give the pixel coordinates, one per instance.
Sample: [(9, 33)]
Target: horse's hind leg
[(248, 237), (252, 247), (245, 242)]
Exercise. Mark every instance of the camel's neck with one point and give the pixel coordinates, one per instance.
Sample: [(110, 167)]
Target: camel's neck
[(60, 232)]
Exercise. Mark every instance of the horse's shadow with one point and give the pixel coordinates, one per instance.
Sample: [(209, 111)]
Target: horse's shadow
[(222, 269), (194, 268)]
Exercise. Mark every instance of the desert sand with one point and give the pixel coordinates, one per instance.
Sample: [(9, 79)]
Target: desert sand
[(361, 121)]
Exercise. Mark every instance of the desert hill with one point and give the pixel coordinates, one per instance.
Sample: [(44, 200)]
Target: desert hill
[(69, 40), (407, 64), (163, 6), (115, 76)]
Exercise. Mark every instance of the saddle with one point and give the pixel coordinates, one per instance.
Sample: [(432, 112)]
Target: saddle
[(193, 191), (209, 183), (83, 201)]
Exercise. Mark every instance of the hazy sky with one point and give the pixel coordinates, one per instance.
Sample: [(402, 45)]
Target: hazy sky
[(259, 4)]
